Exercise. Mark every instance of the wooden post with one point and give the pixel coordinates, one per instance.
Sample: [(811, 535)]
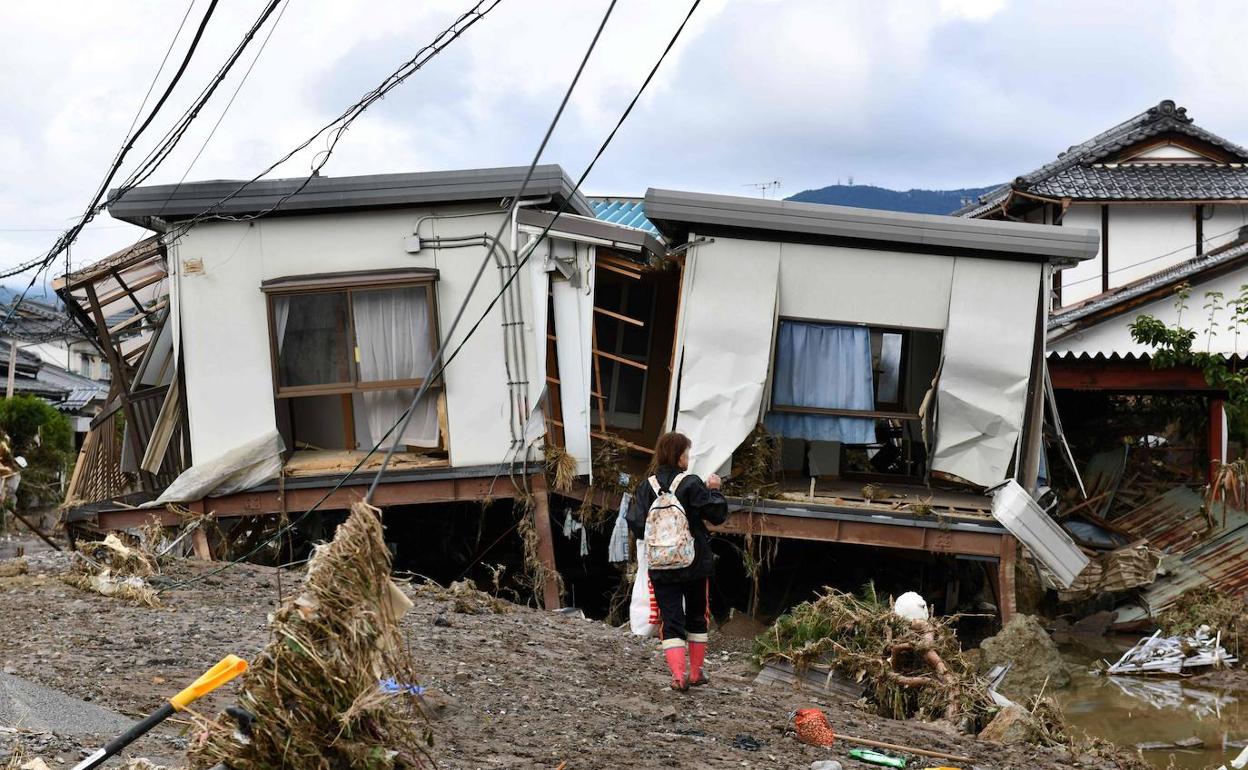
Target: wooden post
[(199, 544), (121, 386), (8, 392), (1006, 598), (545, 542), (1217, 455)]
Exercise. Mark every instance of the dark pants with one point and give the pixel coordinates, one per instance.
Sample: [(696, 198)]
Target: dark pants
[(684, 610)]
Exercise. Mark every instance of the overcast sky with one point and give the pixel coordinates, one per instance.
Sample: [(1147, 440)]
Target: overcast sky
[(909, 93)]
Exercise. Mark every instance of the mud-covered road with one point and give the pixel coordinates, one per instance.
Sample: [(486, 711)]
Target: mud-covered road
[(524, 689)]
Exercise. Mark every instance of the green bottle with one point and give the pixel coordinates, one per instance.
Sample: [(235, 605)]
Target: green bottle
[(876, 758)]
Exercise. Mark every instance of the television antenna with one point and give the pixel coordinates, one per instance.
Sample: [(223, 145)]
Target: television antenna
[(765, 187)]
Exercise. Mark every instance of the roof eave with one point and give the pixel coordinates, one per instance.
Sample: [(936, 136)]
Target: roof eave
[(677, 213)]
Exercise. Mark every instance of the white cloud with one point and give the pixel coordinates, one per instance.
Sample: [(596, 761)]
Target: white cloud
[(896, 92)]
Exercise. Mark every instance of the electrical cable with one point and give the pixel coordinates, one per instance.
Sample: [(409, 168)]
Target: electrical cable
[(528, 175), (69, 235), (1172, 252), (457, 28), (169, 141)]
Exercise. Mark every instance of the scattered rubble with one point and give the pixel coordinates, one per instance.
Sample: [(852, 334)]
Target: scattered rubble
[(1174, 654), (109, 567)]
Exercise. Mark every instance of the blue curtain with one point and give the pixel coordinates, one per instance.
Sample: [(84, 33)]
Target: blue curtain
[(827, 366)]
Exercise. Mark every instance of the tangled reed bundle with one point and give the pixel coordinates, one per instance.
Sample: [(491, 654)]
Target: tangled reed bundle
[(908, 668), (314, 691)]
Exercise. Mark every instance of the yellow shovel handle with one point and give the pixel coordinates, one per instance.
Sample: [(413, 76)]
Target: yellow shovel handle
[(229, 667)]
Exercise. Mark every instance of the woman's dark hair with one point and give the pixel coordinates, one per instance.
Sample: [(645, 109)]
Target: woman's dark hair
[(669, 448)]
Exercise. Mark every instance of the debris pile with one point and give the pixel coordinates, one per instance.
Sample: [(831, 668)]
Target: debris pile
[(313, 696), (909, 668), (1207, 606), (464, 598), (111, 568), (1174, 654)]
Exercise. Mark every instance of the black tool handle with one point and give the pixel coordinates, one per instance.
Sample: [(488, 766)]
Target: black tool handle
[(125, 739)]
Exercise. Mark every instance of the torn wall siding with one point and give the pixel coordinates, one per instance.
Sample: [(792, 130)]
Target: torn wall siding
[(982, 392), (729, 309), (573, 302)]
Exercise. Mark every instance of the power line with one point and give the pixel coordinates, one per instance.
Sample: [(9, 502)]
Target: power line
[(68, 237), (1137, 263), (169, 141), (493, 247), (263, 44), (339, 125)]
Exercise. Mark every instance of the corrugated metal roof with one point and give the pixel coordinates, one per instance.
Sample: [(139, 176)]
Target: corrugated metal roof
[(1202, 549), (630, 212)]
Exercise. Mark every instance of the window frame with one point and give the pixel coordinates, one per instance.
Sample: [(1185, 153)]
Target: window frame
[(348, 283), (878, 414)]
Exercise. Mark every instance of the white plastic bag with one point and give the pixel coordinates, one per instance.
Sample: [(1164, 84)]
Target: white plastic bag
[(642, 611)]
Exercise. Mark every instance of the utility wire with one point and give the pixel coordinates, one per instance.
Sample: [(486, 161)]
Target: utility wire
[(339, 125), (528, 175), (175, 133), (263, 44), (69, 235), (442, 367), (1172, 252)]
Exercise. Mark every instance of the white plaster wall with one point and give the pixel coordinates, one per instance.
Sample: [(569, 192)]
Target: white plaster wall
[(1144, 239), (1222, 223), (1083, 280), (881, 288), (225, 337), (1114, 335)]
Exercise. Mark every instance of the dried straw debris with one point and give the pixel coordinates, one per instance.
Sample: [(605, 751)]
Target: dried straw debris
[(314, 690)]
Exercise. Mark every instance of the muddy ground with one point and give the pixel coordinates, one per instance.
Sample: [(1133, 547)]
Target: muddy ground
[(523, 689)]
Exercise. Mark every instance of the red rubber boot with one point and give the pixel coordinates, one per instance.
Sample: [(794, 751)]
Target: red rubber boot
[(676, 664), (697, 656)]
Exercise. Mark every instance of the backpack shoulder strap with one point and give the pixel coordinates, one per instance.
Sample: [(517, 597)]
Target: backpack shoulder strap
[(654, 484), (676, 482)]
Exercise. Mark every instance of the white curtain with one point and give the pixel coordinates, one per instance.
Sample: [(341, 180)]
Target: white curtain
[(826, 366), (281, 314), (392, 331)]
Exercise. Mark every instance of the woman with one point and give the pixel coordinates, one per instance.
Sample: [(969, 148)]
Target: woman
[(682, 594)]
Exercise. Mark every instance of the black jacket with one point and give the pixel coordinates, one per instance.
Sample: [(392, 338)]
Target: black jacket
[(701, 505)]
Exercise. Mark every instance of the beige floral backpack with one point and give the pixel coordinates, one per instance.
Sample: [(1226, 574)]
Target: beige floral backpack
[(669, 543)]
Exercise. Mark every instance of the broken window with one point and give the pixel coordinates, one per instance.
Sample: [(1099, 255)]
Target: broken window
[(349, 353), (859, 386)]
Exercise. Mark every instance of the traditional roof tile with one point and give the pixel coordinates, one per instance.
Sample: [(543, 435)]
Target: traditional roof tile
[(1082, 172)]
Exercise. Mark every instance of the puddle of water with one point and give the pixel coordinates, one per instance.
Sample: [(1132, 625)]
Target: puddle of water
[(1132, 710)]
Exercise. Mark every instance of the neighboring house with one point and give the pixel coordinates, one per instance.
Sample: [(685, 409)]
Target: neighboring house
[(50, 332), (1170, 200), (78, 397), (882, 346)]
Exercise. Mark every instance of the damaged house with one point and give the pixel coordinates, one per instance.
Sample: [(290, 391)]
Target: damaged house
[(899, 357), (1170, 201)]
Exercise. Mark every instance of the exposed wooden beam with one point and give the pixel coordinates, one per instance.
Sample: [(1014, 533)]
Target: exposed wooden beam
[(618, 316)]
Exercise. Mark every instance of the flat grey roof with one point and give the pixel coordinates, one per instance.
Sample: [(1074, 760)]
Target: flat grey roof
[(143, 205), (677, 214), (588, 227)]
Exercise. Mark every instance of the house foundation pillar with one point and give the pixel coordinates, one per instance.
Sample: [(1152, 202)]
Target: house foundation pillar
[(545, 543)]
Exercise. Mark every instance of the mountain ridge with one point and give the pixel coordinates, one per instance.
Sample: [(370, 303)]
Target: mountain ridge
[(915, 201)]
